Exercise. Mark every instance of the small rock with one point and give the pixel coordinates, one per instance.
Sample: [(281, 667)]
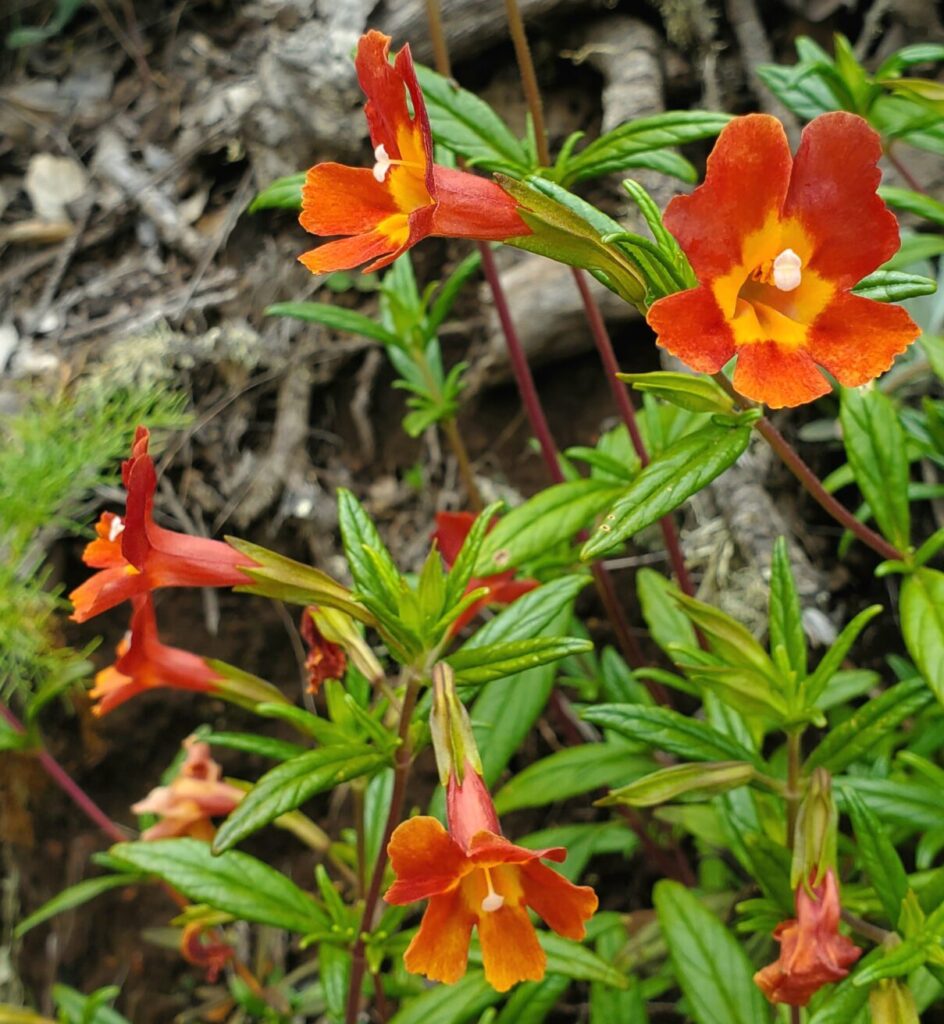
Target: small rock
[(52, 182)]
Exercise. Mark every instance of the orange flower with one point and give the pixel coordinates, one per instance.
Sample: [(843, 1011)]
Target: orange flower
[(326, 660), (472, 876), (196, 795), (452, 528), (776, 244), (135, 555), (812, 952), (144, 663), (405, 196)]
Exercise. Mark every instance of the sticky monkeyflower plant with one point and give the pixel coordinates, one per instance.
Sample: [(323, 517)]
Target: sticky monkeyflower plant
[(557, 802)]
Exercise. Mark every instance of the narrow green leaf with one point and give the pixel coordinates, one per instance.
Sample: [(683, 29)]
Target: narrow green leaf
[(680, 471), (913, 804), (464, 565), (531, 1002), (73, 896), (832, 660), (553, 516), (250, 743), (568, 773), (336, 317), (922, 624), (667, 623), (786, 620), (483, 664), (569, 958), (283, 194), (894, 286), (449, 1004), (692, 781), (233, 882), (287, 786), (368, 559), (875, 445), (696, 393), (711, 967), (449, 291), (670, 731), (75, 1006), (868, 725), (879, 857)]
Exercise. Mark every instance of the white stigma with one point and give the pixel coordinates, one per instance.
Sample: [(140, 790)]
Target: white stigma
[(383, 163), (786, 272), (116, 529), (492, 902)]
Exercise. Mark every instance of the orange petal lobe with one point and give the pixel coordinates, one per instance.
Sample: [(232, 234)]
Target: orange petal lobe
[(691, 326), (778, 376), (563, 906), (425, 859), (105, 589), (745, 183), (340, 200), (856, 339), (440, 948), (832, 195), (347, 253), (510, 948)]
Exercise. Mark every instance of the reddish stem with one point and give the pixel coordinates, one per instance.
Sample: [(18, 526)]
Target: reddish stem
[(67, 784), (620, 395)]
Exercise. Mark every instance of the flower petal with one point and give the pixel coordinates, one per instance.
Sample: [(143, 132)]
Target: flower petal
[(857, 339), (488, 849), (691, 326), (778, 376), (510, 948), (452, 528), (832, 195), (745, 184), (347, 253), (472, 207), (106, 589), (440, 948), (425, 859), (340, 200), (564, 906)]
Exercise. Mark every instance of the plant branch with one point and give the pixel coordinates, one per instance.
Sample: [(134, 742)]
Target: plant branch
[(810, 481), (529, 80), (401, 772), (67, 784)]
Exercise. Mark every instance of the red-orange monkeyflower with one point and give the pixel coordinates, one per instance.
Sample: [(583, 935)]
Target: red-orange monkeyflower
[(472, 876), (776, 243), (196, 794), (452, 528), (812, 951), (144, 663), (135, 556), (405, 196)]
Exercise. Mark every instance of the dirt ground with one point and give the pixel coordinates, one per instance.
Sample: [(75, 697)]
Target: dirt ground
[(139, 260)]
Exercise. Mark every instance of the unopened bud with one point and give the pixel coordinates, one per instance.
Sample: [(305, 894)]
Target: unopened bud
[(451, 729), (814, 846), (891, 1001)]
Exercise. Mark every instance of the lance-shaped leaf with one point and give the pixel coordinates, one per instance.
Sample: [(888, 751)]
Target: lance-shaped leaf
[(287, 580), (73, 896), (894, 286), (832, 660), (336, 317), (667, 730), (291, 783), (667, 623), (682, 470), (449, 1004), (374, 571), (695, 393), (913, 202), (922, 624), (495, 661), (233, 882), (879, 857), (469, 554), (282, 194), (692, 781), (784, 615), (551, 517)]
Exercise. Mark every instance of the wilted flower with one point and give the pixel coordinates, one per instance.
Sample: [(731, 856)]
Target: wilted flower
[(196, 795), (472, 876), (201, 947), (325, 660), (405, 197), (135, 555), (777, 243), (812, 951)]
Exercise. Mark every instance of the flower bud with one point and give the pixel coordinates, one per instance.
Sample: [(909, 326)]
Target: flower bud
[(814, 845), (451, 729), (892, 1002)]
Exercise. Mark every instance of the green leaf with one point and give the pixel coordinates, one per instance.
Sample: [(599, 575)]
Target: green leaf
[(569, 958), (917, 53), (913, 202), (569, 772), (283, 194), (879, 857), (334, 971), (692, 781), (616, 150), (469, 127), (464, 565), (73, 896), (875, 445), (288, 785), (449, 291), (696, 393), (336, 317), (667, 623), (483, 664), (680, 471), (553, 516), (913, 804), (670, 731), (233, 882), (368, 559), (531, 1002), (711, 967), (922, 624), (80, 1009), (449, 1004), (832, 660), (894, 286), (868, 725), (250, 743), (785, 617)]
